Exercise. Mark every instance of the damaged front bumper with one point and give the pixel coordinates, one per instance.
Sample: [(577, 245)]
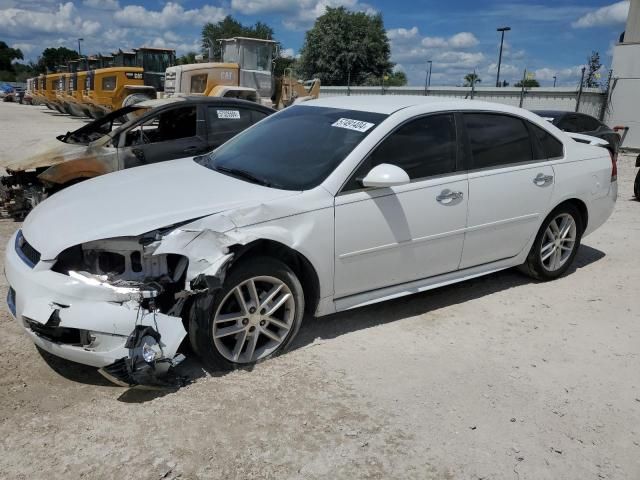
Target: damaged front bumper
[(81, 321)]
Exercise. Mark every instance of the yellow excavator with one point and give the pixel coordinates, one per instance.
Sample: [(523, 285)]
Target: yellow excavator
[(246, 72)]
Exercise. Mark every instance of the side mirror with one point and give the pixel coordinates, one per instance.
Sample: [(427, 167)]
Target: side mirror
[(385, 175)]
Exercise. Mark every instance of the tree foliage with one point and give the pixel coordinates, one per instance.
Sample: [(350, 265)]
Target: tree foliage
[(230, 27), (187, 58), (341, 41), (52, 57), (8, 55), (528, 83), (591, 79), (471, 79)]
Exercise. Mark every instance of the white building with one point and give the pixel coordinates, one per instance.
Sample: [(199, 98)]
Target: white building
[(624, 108)]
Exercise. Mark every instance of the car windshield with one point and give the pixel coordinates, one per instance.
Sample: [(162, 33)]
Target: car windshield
[(295, 149)]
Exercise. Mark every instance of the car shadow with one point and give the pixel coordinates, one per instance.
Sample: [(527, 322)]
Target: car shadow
[(332, 326)]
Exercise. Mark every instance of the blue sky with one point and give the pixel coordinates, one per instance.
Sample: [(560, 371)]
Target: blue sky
[(548, 37)]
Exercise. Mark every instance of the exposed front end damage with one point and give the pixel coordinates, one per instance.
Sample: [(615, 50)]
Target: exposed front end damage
[(49, 168), (120, 304)]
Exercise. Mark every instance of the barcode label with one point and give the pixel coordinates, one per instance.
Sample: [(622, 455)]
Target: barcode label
[(357, 125), (234, 114)]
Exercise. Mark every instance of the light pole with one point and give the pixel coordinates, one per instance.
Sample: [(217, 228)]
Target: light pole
[(79, 49), (554, 81), (501, 29), (427, 78)]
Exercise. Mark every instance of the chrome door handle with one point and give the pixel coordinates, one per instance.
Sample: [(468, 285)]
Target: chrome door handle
[(448, 196), (541, 179)]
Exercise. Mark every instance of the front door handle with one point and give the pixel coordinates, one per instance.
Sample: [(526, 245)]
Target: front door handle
[(448, 196), (542, 180)]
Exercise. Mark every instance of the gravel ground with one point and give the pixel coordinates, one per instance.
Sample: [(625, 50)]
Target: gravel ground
[(494, 378)]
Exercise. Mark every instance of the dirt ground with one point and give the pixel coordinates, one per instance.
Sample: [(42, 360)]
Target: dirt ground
[(495, 378)]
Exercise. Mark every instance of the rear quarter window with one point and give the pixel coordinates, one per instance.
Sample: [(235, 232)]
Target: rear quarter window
[(551, 147)]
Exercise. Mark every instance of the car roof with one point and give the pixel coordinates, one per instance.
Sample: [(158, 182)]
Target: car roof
[(388, 104), (193, 99)]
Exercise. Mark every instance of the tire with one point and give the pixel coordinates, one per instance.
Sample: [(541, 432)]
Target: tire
[(636, 186), (555, 265), (226, 344)]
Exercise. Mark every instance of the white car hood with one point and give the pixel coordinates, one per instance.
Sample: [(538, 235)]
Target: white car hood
[(132, 202)]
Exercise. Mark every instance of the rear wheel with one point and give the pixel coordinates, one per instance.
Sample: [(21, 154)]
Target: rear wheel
[(556, 244), (254, 316)]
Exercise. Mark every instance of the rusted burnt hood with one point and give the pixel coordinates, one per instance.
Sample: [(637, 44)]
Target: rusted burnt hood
[(52, 153), (132, 202)]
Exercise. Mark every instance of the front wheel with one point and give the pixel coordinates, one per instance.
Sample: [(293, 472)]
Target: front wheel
[(254, 316), (556, 244)]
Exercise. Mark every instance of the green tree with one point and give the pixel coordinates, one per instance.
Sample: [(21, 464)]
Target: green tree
[(187, 58), (528, 83), (343, 42), (282, 63), (230, 27), (471, 79), (591, 79), (394, 79), (8, 55), (52, 57)]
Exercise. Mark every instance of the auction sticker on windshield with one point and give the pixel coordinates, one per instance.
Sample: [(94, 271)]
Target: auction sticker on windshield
[(229, 114), (357, 125)]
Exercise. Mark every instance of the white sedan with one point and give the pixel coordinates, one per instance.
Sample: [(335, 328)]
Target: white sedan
[(323, 207)]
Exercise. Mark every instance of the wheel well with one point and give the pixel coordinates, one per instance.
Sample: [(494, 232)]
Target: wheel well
[(297, 262), (582, 208)]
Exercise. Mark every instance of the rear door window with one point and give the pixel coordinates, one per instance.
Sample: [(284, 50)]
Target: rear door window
[(224, 123), (497, 140)]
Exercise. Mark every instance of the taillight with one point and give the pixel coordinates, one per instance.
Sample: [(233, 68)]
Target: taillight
[(614, 165)]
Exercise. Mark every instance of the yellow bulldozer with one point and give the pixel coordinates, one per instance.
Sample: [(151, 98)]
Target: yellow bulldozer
[(246, 72), (134, 77)]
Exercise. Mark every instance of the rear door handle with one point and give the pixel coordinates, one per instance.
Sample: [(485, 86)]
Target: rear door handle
[(542, 180), (447, 196)]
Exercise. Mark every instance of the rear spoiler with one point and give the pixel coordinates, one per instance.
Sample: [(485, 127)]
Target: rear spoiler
[(578, 137)]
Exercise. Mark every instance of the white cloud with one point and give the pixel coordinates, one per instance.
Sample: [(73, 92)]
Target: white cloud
[(402, 34), (609, 15), (252, 7), (564, 76), (463, 40), (102, 4), (302, 14), (24, 47), (24, 24), (287, 53), (171, 15), (506, 70)]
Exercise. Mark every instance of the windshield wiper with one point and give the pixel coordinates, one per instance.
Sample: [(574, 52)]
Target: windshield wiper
[(243, 174)]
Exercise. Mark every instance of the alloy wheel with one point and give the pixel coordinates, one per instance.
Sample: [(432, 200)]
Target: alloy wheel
[(253, 319), (558, 242)]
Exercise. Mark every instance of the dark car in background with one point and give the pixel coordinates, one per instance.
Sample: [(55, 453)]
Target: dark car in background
[(574, 122)]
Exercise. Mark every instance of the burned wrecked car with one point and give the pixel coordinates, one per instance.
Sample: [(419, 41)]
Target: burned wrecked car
[(147, 132)]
